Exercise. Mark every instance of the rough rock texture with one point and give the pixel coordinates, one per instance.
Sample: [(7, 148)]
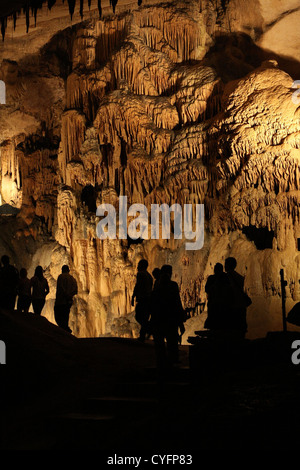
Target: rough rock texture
[(175, 102)]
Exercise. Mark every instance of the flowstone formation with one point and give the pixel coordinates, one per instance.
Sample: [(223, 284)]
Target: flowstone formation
[(170, 103)]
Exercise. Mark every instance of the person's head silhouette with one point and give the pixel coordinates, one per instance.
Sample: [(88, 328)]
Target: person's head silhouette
[(156, 273), (218, 269), (39, 272), (143, 265), (166, 270), (65, 269), (5, 260), (230, 264), (23, 273)]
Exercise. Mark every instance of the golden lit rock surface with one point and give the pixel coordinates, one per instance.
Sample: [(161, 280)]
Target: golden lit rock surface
[(180, 102)]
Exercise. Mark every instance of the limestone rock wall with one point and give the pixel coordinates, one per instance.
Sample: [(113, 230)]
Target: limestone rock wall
[(166, 103)]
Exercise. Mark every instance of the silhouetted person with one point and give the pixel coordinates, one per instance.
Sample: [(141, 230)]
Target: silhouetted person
[(66, 288), (9, 278), (142, 294), (219, 295), (238, 308), (24, 292), (167, 316), (39, 290), (156, 275)]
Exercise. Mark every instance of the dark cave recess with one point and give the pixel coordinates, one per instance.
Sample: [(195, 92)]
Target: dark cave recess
[(262, 237)]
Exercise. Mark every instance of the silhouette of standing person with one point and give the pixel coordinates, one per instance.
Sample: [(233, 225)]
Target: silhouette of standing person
[(156, 275), (219, 294), (66, 288), (40, 289), (24, 292), (9, 278), (238, 309), (167, 315), (142, 294)]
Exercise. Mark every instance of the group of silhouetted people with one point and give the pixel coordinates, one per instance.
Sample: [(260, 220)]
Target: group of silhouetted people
[(227, 301), (159, 311), (15, 284), (32, 291)]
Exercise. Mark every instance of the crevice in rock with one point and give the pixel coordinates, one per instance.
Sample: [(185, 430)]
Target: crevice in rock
[(261, 236)]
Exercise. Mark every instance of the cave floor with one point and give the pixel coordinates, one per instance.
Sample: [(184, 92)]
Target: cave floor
[(65, 393)]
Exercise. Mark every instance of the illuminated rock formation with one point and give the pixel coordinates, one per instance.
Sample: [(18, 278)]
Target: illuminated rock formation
[(165, 103)]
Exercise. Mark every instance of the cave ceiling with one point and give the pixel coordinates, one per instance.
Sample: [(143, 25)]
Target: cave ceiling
[(30, 8)]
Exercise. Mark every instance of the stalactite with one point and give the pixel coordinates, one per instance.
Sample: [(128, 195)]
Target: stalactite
[(34, 12), (51, 3), (26, 11), (3, 27), (99, 8), (35, 4), (113, 3), (15, 20), (72, 4)]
